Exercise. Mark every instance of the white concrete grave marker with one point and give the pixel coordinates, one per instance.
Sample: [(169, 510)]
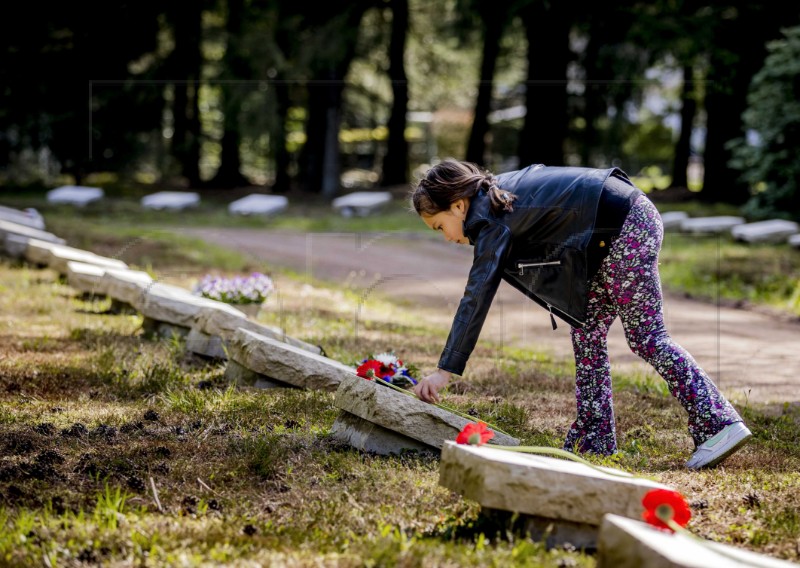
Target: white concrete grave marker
[(361, 203), (718, 224), (258, 204), (569, 497), (169, 309), (124, 287), (86, 278), (57, 256), (628, 543), (772, 231), (379, 419), (14, 238), (672, 219), (171, 200), (29, 217), (74, 195), (213, 329), (261, 361)]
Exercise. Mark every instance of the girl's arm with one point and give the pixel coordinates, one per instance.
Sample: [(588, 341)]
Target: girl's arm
[(491, 248)]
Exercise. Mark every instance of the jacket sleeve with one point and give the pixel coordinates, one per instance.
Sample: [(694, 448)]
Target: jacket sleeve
[(491, 247)]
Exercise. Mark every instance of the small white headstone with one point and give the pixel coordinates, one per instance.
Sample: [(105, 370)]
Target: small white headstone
[(719, 224), (361, 203), (542, 486), (284, 363), (29, 217), (174, 305), (628, 543), (672, 219), (15, 238), (171, 200), (57, 256), (402, 413), (772, 231), (85, 277), (125, 286), (74, 195), (258, 204)]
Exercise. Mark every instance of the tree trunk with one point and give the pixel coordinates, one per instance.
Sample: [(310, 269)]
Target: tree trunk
[(680, 160), (320, 162), (545, 128), (229, 171), (279, 139), (186, 68), (740, 49), (494, 22), (395, 163)]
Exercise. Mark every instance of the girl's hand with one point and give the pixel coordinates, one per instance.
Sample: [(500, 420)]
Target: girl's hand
[(428, 388)]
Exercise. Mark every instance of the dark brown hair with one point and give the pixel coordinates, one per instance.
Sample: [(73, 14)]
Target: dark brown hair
[(451, 180)]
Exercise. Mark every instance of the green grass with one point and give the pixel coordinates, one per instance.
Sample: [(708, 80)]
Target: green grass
[(91, 410)]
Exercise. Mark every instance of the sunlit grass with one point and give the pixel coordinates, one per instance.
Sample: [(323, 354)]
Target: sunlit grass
[(91, 411)]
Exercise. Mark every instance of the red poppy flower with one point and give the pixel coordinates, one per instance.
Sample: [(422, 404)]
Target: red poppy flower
[(664, 504), (475, 434), (369, 369)]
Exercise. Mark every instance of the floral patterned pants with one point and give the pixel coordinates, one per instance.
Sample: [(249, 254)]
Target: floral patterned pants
[(628, 285)]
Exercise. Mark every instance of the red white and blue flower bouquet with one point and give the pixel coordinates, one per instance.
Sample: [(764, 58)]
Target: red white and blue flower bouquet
[(389, 369)]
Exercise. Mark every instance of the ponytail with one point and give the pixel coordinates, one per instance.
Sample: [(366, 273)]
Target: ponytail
[(451, 180), (499, 199)]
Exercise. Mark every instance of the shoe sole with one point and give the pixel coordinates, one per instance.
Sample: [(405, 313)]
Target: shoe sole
[(726, 453)]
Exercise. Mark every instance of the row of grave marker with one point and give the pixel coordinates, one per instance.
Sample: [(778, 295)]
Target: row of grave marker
[(769, 231), (559, 501), (359, 203)]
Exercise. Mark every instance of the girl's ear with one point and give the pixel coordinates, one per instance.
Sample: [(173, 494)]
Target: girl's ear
[(459, 207)]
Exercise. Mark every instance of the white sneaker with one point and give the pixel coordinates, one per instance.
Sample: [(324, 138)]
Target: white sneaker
[(719, 446)]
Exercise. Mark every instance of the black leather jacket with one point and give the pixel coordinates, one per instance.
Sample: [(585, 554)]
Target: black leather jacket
[(540, 248)]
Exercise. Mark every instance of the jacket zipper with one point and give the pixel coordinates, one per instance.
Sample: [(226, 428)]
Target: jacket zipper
[(523, 265), (552, 318)]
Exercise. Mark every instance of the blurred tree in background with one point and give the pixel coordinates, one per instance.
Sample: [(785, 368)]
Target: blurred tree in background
[(324, 97), (768, 156)]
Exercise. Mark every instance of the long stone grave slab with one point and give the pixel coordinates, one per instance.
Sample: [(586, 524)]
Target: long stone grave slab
[(713, 225), (771, 231), (57, 256), (258, 360), (558, 500), (379, 419), (74, 195), (361, 203), (124, 287), (169, 309), (171, 200), (213, 329), (258, 204), (29, 217), (627, 543), (672, 219), (15, 237), (86, 278)]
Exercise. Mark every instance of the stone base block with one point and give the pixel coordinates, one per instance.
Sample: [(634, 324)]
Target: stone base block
[(555, 533), (162, 330), (244, 377), (210, 346), (369, 437)]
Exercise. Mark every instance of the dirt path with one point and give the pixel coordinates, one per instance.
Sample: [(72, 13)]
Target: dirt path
[(750, 355)]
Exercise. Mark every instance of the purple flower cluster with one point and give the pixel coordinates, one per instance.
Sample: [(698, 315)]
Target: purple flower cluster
[(253, 289)]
